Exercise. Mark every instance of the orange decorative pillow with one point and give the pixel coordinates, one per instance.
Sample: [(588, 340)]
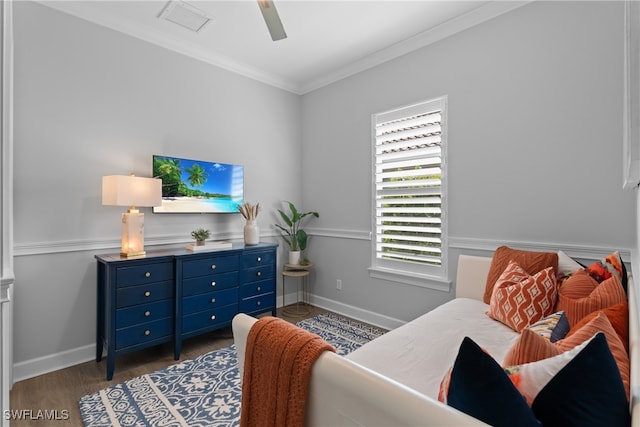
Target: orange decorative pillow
[(531, 262), (531, 347), (528, 348), (618, 315), (576, 302), (519, 300)]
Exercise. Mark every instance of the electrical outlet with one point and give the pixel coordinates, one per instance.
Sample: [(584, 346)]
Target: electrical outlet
[(339, 284)]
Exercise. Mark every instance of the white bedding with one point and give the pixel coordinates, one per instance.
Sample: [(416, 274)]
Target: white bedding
[(419, 353)]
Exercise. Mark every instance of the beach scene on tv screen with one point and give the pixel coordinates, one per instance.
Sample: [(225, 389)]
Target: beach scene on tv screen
[(197, 186)]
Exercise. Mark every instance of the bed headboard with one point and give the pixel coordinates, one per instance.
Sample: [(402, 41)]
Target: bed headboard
[(471, 277)]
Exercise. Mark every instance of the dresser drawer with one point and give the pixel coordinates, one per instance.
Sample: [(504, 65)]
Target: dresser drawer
[(257, 288), (140, 274), (257, 273), (205, 266), (143, 313), (140, 334), (134, 295), (209, 318), (256, 259), (260, 303), (211, 300), (214, 282)]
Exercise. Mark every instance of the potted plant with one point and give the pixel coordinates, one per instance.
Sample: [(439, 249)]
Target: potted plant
[(292, 233), (200, 234)]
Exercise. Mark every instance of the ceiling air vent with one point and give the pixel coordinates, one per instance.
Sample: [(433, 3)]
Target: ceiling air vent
[(185, 15)]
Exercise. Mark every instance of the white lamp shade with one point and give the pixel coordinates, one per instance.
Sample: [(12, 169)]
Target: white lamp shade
[(123, 190)]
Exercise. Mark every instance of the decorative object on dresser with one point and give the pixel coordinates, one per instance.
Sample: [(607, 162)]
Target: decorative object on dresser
[(172, 295), (133, 191), (200, 234), (293, 234), (251, 230)]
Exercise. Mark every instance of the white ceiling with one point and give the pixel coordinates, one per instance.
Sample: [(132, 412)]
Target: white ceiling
[(327, 40)]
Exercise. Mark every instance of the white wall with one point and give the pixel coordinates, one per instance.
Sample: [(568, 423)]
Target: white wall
[(93, 102), (535, 146)]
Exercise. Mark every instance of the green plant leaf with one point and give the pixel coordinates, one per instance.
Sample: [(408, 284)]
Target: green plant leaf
[(301, 237)]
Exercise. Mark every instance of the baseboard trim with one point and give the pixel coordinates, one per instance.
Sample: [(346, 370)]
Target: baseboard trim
[(356, 313), (53, 362)]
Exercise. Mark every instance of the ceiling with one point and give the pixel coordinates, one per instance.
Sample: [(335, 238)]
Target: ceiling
[(327, 40)]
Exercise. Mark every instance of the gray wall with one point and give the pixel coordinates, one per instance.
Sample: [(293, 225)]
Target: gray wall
[(93, 102), (535, 152)]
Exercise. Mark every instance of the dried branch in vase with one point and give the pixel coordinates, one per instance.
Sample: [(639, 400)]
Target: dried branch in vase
[(249, 211)]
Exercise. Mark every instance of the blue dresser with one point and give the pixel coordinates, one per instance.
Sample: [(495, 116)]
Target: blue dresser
[(169, 296)]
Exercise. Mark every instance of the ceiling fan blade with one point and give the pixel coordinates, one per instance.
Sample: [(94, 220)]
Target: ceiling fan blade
[(271, 17)]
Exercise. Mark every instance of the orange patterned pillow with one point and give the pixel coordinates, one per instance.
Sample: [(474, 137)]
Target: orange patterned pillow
[(519, 300), (532, 262), (576, 301)]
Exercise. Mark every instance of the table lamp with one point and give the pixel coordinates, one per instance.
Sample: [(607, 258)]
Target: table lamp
[(132, 191)]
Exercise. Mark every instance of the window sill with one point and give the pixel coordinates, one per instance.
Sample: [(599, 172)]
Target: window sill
[(421, 280)]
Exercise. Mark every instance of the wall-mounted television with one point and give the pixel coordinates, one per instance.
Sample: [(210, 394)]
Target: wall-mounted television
[(198, 186)]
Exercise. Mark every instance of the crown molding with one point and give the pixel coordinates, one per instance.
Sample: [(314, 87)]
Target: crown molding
[(463, 22), (83, 10)]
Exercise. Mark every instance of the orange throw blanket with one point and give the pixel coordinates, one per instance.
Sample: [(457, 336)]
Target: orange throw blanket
[(277, 370)]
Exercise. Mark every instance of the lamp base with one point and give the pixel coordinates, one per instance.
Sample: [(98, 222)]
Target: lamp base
[(132, 234), (133, 254)]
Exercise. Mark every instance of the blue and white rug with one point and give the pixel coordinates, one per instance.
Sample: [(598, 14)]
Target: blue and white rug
[(205, 391)]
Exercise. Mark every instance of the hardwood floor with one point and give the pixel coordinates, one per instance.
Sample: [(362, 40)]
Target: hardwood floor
[(60, 390)]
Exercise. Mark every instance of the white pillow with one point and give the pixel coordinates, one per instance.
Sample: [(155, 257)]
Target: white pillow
[(566, 264)]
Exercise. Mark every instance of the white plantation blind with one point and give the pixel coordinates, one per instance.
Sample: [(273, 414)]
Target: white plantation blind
[(409, 178)]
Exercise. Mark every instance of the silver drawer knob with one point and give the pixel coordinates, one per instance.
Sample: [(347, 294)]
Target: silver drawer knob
[(213, 284), (147, 274), (259, 273), (147, 332), (213, 266), (258, 303), (258, 289), (259, 259), (213, 317), (147, 294), (213, 300), (147, 313)]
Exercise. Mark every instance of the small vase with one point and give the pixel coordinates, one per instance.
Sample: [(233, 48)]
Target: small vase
[(251, 233), (199, 242)]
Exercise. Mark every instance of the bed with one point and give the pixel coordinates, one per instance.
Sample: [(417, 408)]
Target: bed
[(365, 389)]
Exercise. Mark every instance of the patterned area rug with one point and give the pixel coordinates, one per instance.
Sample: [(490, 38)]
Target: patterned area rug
[(204, 391)]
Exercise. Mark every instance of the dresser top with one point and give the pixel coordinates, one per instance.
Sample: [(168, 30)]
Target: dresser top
[(178, 252)]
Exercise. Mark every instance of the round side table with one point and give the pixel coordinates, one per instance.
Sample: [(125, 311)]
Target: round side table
[(301, 307)]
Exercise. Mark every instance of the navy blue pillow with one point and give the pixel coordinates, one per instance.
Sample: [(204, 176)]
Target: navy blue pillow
[(561, 330), (588, 391), (480, 388)]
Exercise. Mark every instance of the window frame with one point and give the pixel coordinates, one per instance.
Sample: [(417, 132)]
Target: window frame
[(434, 277)]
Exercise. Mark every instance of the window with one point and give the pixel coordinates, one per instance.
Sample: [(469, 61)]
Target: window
[(409, 197)]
